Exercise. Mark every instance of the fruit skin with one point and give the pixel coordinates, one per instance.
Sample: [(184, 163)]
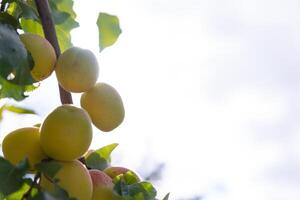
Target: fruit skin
[(104, 105), (102, 186), (74, 178), (77, 69), (22, 143), (66, 133), (112, 172), (43, 55)]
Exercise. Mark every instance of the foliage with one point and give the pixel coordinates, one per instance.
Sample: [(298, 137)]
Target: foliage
[(17, 181), (14, 109), (109, 30), (100, 158)]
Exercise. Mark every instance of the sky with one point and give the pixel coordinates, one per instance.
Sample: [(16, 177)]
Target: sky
[(210, 89)]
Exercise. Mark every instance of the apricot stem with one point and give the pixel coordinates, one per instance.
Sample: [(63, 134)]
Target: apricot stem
[(44, 11)]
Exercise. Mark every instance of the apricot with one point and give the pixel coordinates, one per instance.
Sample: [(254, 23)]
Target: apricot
[(112, 172), (77, 69), (43, 55), (72, 177), (23, 143), (104, 105), (102, 186), (66, 133)]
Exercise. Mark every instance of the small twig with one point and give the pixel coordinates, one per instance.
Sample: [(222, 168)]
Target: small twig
[(34, 183), (44, 11)]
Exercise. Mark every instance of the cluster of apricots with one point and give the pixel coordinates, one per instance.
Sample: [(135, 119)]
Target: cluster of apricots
[(66, 133)]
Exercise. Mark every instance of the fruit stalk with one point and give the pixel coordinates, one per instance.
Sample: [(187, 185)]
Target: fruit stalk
[(44, 11)]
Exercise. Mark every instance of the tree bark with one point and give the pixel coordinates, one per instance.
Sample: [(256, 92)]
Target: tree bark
[(44, 11)]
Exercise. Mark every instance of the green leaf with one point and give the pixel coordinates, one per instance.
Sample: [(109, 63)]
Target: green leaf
[(129, 178), (14, 10), (18, 194), (61, 194), (6, 18), (95, 161), (64, 19), (20, 8), (48, 169), (32, 26), (63, 11), (62, 30), (100, 159), (109, 30), (10, 90), (15, 61), (18, 110), (146, 188), (106, 151), (142, 190), (14, 109), (28, 12), (12, 177), (65, 6)]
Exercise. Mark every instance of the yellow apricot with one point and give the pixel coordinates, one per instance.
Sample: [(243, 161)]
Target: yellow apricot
[(72, 177), (66, 133), (42, 53), (77, 69), (23, 143), (104, 105)]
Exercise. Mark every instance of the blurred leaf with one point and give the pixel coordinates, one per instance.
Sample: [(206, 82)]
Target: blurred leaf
[(65, 6), (62, 10), (59, 17), (106, 151), (14, 91), (48, 169), (32, 26), (6, 18), (61, 194), (146, 188), (120, 187), (128, 178), (14, 109), (100, 159), (15, 61), (109, 30), (64, 19), (14, 10), (11, 177), (20, 8), (39, 195), (18, 194), (95, 161), (142, 190), (18, 110)]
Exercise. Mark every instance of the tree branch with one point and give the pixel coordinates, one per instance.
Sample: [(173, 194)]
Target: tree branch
[(2, 8), (44, 11)]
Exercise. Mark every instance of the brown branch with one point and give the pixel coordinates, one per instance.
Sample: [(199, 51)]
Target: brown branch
[(44, 11)]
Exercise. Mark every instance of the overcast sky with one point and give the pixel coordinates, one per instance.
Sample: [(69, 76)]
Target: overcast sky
[(210, 87)]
